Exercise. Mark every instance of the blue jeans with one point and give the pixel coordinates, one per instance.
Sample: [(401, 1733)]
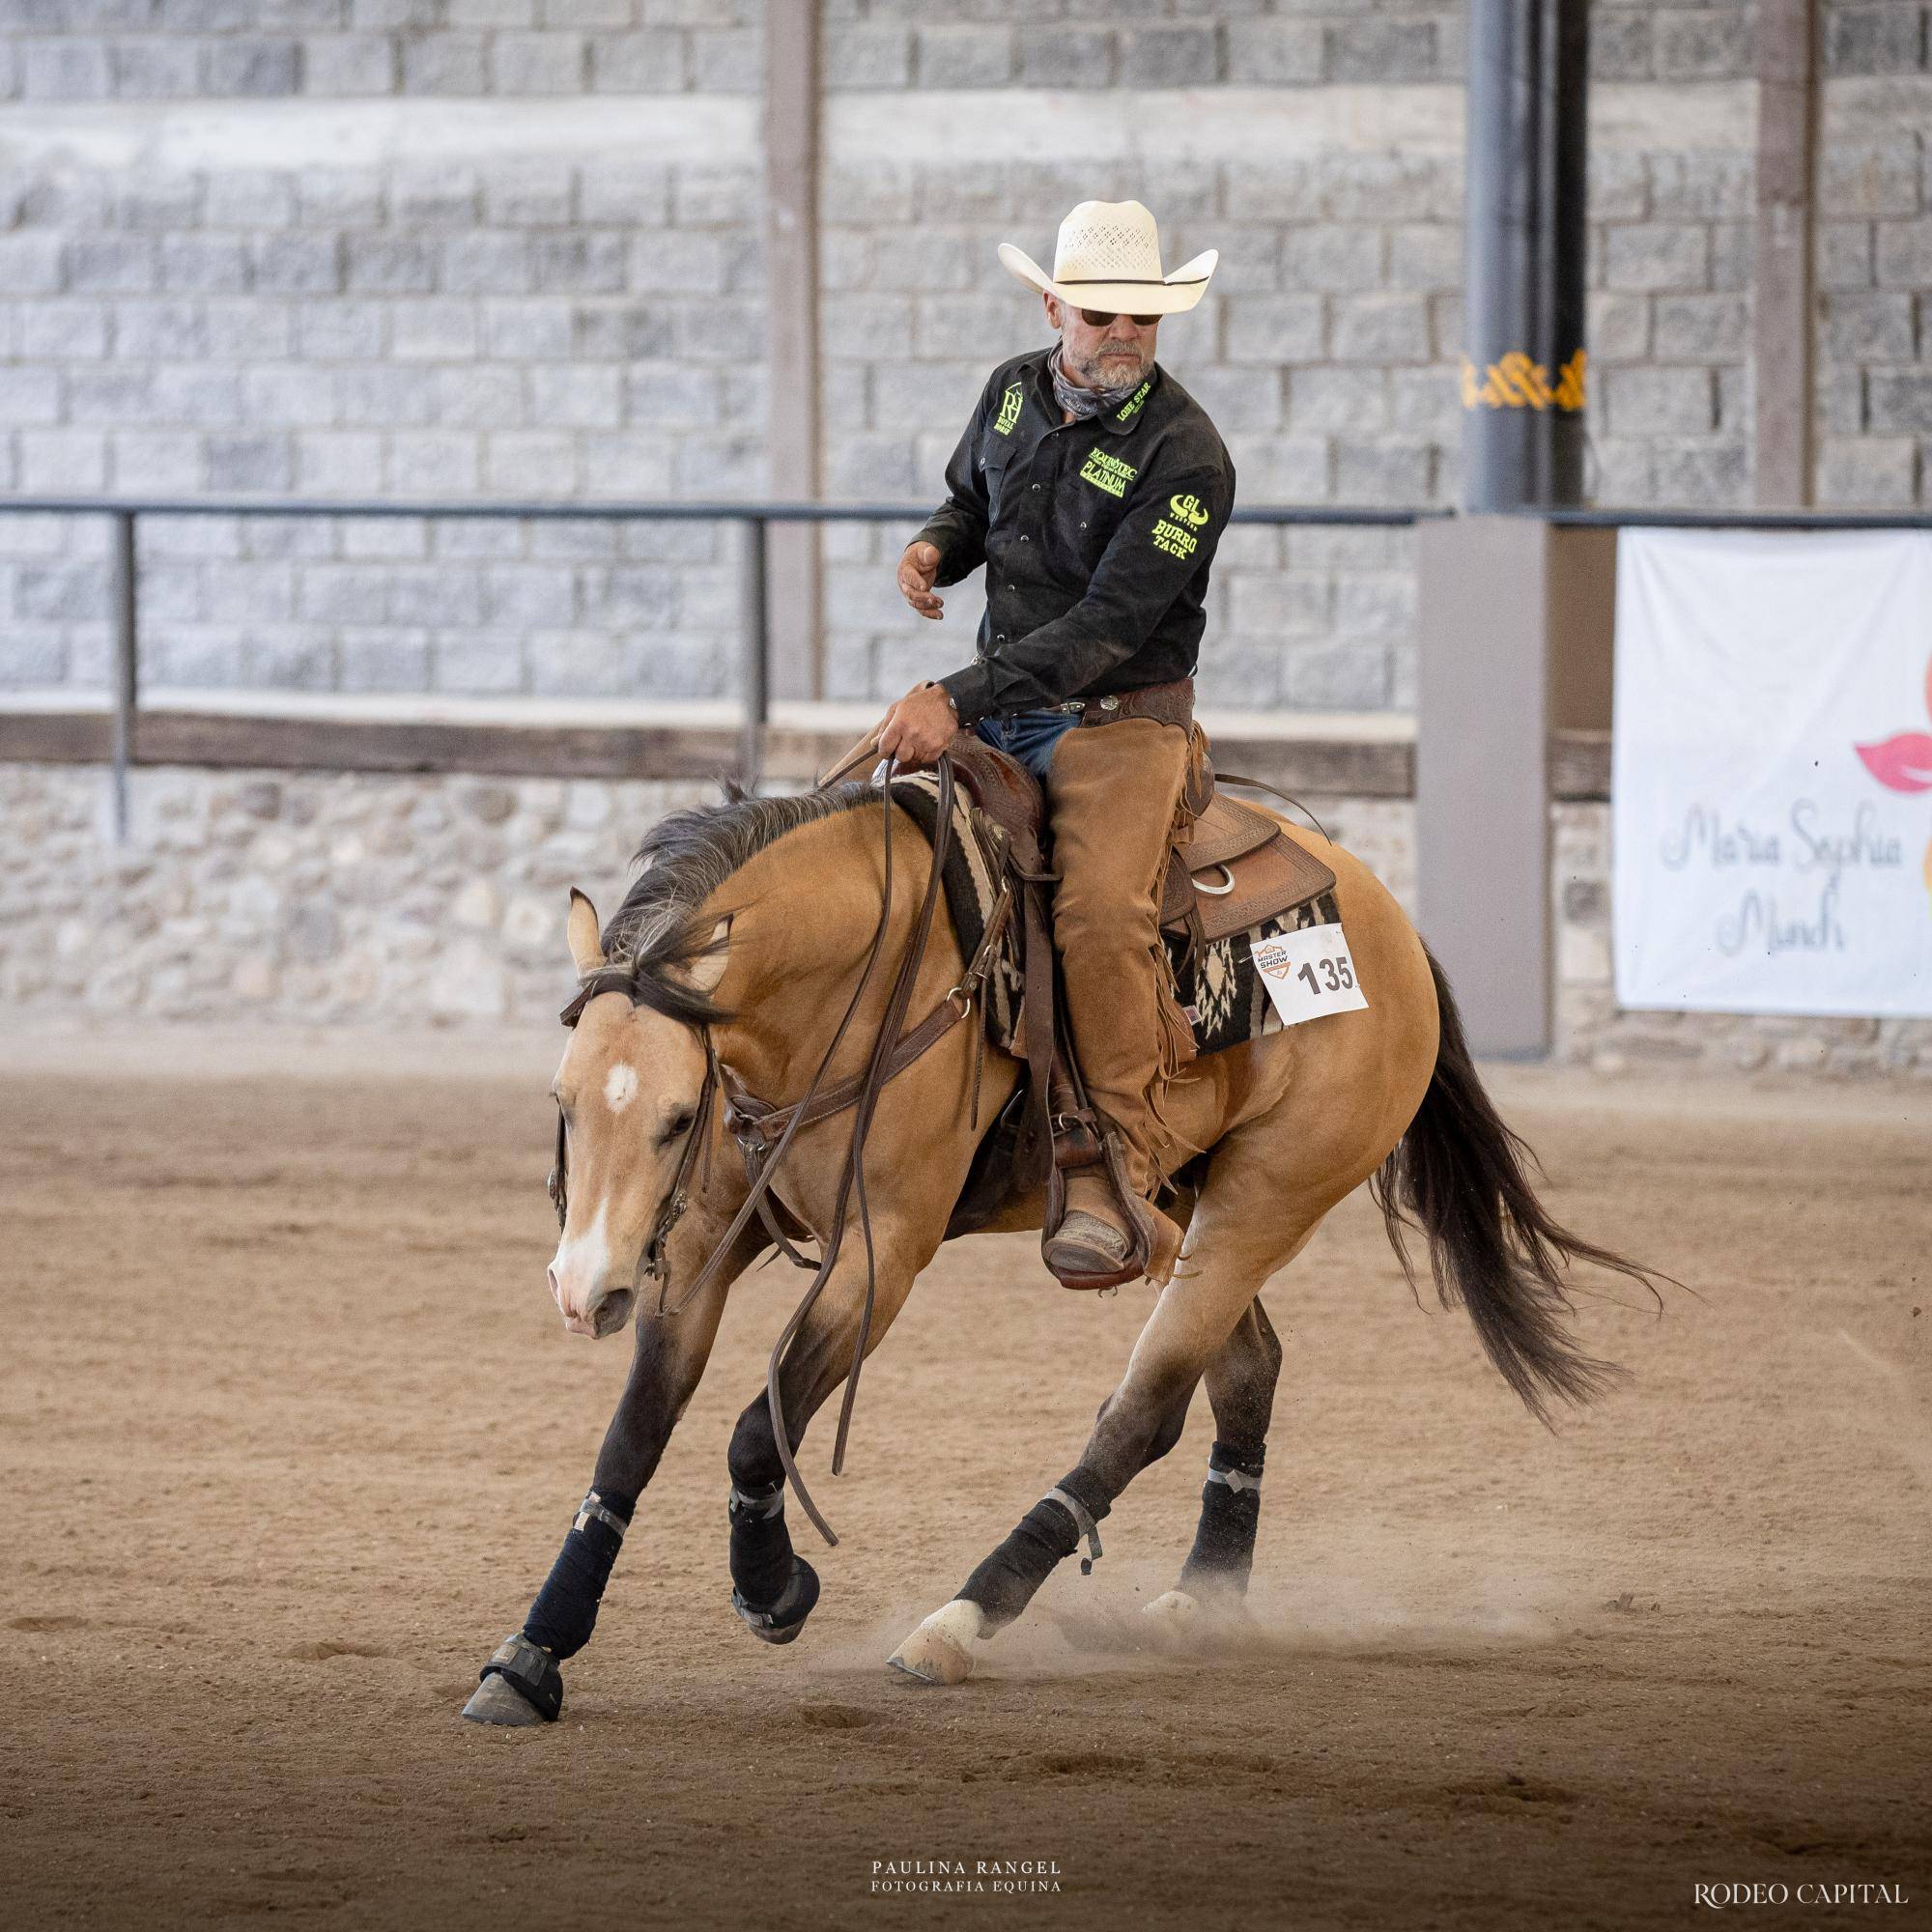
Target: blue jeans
[(1028, 736)]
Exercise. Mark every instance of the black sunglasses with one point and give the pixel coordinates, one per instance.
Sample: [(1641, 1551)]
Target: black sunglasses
[(1100, 318)]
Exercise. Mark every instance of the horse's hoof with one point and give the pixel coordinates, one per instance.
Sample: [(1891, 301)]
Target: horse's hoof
[(521, 1685), (498, 1701), (1176, 1607), (1173, 1617), (782, 1621), (940, 1651)]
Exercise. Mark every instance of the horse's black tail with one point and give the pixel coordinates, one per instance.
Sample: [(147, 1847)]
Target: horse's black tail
[(1462, 1176)]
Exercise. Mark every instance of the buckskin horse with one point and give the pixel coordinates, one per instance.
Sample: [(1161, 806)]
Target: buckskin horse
[(741, 964)]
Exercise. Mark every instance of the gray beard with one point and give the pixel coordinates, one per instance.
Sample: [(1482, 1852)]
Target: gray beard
[(1079, 403)]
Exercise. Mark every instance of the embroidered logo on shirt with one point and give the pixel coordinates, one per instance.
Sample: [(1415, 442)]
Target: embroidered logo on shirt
[(1174, 540), (1131, 407), (1188, 510), (1010, 404), (1107, 472)]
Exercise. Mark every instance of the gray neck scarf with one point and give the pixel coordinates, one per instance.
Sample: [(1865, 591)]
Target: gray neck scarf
[(1082, 404)]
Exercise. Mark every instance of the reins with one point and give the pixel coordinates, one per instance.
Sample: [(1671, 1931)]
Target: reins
[(753, 1124)]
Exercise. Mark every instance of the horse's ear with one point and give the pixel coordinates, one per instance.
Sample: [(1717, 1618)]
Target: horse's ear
[(587, 947), (708, 968)]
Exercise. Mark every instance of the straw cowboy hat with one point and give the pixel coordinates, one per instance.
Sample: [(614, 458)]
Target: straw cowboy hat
[(1108, 257)]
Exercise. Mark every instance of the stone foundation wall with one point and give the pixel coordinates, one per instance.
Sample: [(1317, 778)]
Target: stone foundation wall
[(298, 897), (331, 898)]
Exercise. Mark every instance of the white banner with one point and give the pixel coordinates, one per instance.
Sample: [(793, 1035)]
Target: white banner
[(1772, 782)]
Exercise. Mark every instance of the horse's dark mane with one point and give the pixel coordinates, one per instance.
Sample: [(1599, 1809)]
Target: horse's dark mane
[(686, 857)]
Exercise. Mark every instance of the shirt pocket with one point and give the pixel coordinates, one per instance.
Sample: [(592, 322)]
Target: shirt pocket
[(1084, 523), (996, 473)]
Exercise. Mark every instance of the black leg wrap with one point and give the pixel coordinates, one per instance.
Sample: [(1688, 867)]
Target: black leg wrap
[(566, 1611), (773, 1589), (761, 1555), (1231, 1508), (1004, 1584), (533, 1672)]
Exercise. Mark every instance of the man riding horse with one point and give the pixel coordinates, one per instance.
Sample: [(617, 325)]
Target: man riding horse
[(1095, 490)]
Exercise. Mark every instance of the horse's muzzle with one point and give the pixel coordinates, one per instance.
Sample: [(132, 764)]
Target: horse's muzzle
[(613, 1312), (603, 1314)]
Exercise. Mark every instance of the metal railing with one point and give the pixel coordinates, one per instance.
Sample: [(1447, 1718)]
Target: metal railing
[(754, 518)]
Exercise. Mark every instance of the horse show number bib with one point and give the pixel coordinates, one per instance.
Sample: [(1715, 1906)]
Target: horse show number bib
[(1308, 973)]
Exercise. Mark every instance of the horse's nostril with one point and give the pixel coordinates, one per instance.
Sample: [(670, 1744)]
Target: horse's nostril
[(549, 1275), (614, 1310)]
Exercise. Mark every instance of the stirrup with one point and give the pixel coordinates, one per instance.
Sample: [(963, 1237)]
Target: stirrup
[(1154, 1242)]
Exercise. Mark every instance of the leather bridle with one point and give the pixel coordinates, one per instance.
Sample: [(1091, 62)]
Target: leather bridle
[(697, 1136), (765, 1133)]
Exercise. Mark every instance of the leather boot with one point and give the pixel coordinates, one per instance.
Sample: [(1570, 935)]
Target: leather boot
[(1092, 1245), (1093, 1237)]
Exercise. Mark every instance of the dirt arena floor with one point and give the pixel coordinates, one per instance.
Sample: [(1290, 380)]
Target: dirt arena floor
[(290, 1432)]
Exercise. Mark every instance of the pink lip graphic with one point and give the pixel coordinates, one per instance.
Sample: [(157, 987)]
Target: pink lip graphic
[(1901, 763)]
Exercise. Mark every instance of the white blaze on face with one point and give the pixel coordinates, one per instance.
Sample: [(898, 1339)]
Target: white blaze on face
[(580, 1264), (621, 1086)]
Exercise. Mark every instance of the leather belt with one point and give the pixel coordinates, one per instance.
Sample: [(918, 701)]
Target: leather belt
[(1165, 703)]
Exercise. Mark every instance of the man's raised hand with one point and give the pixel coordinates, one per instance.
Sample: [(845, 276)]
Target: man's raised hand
[(917, 567)]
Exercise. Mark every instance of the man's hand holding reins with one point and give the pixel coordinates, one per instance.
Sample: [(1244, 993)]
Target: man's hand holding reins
[(919, 726), (917, 567)]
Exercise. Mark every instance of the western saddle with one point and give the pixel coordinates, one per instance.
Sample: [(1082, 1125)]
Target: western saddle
[(1233, 870)]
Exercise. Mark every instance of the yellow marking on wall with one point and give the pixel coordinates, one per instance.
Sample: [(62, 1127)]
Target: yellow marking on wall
[(1516, 382)]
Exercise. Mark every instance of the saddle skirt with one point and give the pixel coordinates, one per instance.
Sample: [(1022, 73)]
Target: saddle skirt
[(1235, 878)]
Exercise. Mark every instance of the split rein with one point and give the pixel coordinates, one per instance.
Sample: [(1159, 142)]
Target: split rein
[(766, 1134)]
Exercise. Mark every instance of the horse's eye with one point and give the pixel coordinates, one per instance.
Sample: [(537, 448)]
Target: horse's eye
[(678, 1127)]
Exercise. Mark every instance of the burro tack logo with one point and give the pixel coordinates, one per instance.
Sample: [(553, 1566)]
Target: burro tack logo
[(1009, 410), (1175, 532), (1107, 472)]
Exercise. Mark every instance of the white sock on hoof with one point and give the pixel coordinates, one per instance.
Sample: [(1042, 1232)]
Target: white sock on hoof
[(1175, 1611), (940, 1651)]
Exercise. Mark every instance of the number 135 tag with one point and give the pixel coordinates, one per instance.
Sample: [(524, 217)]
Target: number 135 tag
[(1308, 973)]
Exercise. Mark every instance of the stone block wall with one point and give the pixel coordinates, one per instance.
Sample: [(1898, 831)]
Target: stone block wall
[(325, 603), (1874, 258), (89, 50), (498, 248), (427, 250)]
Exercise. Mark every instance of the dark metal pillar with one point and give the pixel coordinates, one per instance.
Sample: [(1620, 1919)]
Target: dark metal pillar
[(1524, 369), (125, 603), (756, 667)]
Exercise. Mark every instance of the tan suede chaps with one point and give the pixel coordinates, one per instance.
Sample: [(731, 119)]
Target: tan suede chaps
[(1115, 794)]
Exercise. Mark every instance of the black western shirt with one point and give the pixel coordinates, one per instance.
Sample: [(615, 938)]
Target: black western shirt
[(1096, 537)]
